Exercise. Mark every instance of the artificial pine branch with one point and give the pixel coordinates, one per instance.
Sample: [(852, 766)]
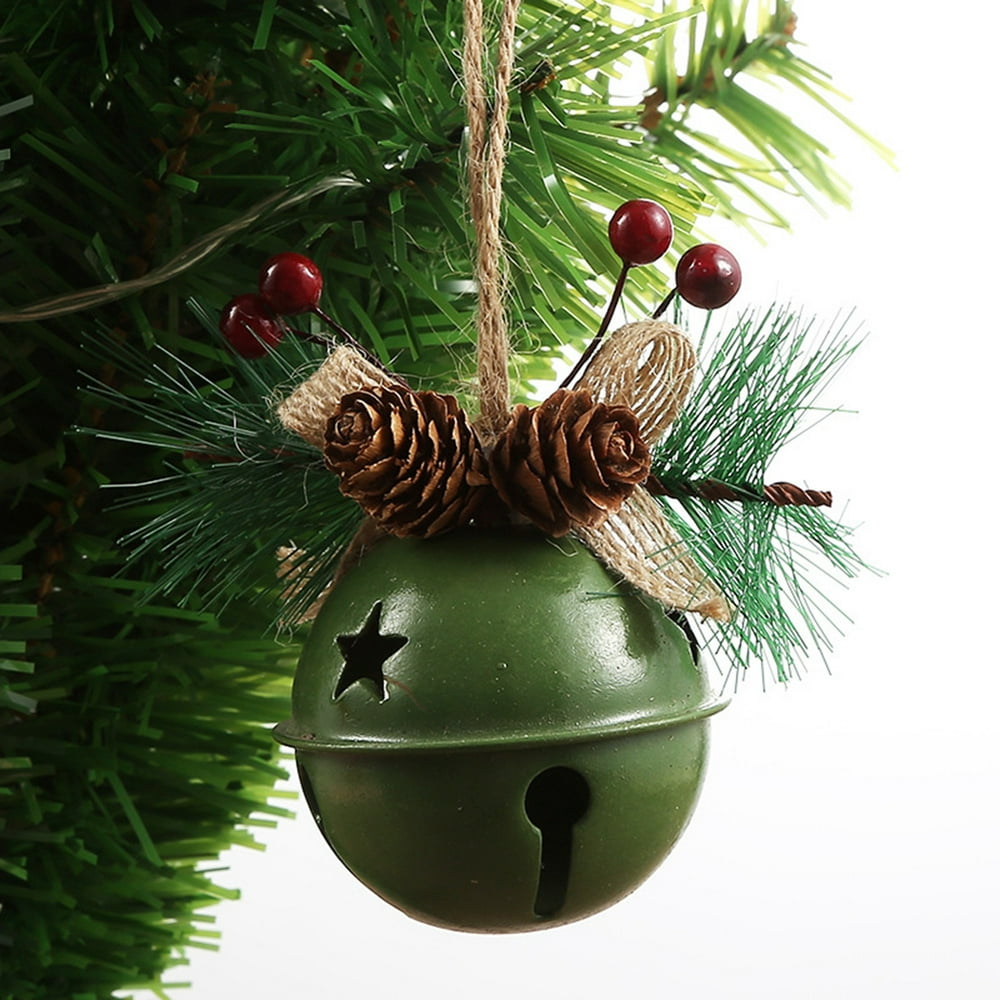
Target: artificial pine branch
[(236, 486), (250, 487), (759, 387), (746, 149)]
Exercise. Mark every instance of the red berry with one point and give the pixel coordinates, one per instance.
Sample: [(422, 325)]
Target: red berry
[(640, 231), (290, 283), (708, 276), (250, 327)]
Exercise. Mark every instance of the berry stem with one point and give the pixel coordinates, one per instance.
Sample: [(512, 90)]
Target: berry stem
[(605, 323), (662, 307), (310, 338), (344, 335), (348, 338)]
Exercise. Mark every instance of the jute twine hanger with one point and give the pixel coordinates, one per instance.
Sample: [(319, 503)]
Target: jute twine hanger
[(646, 366), (487, 138)]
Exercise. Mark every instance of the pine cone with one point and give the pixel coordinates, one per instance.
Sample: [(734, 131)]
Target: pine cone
[(410, 459), (569, 461)]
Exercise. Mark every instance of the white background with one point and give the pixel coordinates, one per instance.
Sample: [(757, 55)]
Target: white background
[(846, 841)]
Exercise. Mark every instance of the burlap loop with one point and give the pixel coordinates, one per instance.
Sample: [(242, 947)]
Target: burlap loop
[(306, 411), (294, 572), (639, 543), (648, 367)]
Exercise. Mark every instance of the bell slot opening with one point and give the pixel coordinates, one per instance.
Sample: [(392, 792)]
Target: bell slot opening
[(681, 621), (555, 800)]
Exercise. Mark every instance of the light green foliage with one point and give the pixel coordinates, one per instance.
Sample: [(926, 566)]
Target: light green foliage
[(726, 89)]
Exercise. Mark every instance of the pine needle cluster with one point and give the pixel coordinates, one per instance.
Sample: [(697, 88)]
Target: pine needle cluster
[(235, 486), (760, 387)]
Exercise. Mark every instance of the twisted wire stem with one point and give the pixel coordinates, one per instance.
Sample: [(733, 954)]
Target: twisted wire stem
[(779, 494)]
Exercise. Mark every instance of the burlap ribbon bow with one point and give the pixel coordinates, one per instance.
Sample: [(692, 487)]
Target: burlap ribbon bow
[(645, 367), (418, 466)]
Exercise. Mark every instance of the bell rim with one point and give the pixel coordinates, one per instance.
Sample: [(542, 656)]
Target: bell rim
[(288, 734)]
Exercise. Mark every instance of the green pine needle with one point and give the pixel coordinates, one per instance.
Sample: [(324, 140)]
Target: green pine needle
[(237, 485), (758, 390), (706, 113), (761, 382)]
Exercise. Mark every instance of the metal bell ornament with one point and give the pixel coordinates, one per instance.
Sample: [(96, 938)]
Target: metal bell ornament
[(493, 734), (495, 729), (499, 717)]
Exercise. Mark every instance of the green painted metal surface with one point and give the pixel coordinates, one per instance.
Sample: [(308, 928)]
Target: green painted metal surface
[(442, 677)]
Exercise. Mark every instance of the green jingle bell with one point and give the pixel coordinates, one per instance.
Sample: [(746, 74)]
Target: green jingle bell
[(494, 735)]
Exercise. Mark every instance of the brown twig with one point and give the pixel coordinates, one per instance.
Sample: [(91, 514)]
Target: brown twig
[(779, 494), (599, 336)]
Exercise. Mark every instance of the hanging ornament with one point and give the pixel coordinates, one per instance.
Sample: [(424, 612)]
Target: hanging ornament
[(500, 714), (494, 730), (477, 706)]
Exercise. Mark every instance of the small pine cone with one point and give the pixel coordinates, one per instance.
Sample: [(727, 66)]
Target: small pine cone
[(569, 461), (410, 459)]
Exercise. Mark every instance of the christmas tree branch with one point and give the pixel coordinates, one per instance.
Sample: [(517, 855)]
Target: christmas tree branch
[(706, 118)]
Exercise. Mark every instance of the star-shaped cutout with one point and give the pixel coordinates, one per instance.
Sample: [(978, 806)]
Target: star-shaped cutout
[(365, 654)]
